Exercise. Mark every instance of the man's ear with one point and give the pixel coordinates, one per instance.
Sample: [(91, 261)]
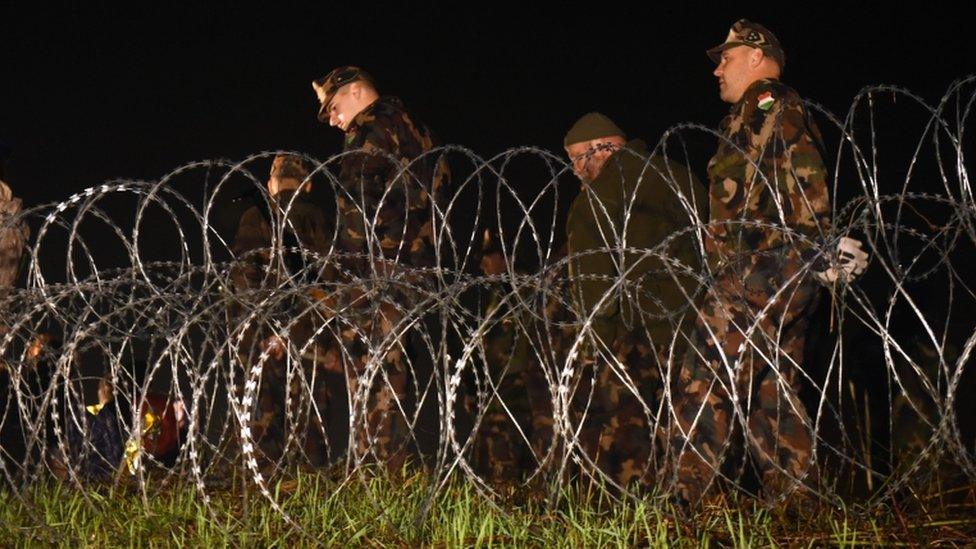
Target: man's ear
[(756, 57), (356, 90)]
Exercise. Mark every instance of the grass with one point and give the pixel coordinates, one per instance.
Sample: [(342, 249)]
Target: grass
[(381, 512)]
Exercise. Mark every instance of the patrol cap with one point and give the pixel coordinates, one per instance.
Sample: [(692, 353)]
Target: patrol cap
[(754, 35), (327, 86), (591, 126)]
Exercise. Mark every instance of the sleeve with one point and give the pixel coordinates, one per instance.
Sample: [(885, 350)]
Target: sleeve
[(597, 225), (804, 174), (792, 188), (14, 235), (364, 173)]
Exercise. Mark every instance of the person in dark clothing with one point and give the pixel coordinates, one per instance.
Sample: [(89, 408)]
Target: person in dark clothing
[(285, 241)]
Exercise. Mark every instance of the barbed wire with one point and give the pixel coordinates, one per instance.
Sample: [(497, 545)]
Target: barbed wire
[(281, 372)]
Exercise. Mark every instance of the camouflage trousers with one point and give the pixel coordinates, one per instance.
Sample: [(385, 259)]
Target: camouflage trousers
[(741, 369), (509, 399), (293, 400), (376, 377), (615, 409)]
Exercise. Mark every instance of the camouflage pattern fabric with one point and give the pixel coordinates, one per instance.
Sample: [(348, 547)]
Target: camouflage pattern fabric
[(619, 430), (748, 342), (768, 170), (13, 236), (383, 180), (754, 35), (389, 187), (518, 407), (629, 203)]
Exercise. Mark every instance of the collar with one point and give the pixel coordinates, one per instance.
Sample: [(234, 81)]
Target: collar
[(365, 115), (753, 91)]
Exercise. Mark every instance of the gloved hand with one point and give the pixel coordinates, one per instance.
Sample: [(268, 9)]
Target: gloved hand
[(851, 262)]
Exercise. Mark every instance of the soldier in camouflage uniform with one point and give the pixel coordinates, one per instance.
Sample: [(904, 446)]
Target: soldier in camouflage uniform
[(748, 341), (302, 225), (388, 186), (628, 198), (13, 236)]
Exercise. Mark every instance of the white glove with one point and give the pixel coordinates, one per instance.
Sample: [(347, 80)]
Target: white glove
[(851, 262)]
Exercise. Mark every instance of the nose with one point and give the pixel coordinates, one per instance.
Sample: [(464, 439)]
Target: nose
[(333, 120), (718, 70)]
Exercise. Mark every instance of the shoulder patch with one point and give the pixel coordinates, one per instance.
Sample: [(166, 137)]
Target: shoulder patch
[(765, 101)]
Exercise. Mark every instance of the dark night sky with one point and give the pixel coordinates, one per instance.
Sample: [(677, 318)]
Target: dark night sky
[(99, 93)]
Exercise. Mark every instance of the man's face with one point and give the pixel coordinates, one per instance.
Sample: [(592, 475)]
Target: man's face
[(588, 158), (342, 109), (734, 73)]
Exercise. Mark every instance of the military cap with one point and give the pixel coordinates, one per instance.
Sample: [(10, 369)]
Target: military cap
[(327, 86), (288, 166), (591, 126), (754, 35)]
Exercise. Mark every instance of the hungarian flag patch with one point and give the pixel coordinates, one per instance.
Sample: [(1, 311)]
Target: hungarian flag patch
[(766, 101)]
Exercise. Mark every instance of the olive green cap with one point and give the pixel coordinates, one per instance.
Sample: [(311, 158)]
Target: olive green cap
[(591, 126)]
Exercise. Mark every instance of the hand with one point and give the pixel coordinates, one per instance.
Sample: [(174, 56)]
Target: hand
[(851, 262)]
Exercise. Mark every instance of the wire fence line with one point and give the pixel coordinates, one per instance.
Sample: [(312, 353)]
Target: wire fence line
[(137, 301)]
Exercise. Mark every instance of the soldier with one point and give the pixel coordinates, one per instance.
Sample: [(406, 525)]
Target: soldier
[(388, 185), (13, 237), (13, 232), (295, 222), (768, 204), (628, 199), (390, 180)]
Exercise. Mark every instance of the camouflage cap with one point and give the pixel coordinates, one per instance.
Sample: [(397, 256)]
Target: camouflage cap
[(591, 126), (327, 86), (754, 35)]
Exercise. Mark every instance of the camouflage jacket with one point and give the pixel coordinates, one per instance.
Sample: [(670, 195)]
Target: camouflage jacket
[(382, 170), (767, 169), (13, 236), (306, 228), (632, 203)]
